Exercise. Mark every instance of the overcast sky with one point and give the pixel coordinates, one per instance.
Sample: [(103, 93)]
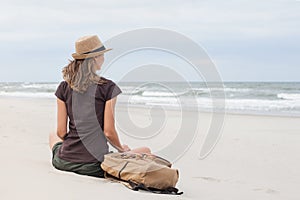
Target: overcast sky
[(251, 40)]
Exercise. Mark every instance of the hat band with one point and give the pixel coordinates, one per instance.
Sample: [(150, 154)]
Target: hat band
[(99, 49)]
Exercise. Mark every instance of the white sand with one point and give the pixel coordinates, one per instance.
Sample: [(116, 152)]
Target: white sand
[(257, 157)]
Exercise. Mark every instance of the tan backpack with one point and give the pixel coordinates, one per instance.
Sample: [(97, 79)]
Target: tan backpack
[(141, 171)]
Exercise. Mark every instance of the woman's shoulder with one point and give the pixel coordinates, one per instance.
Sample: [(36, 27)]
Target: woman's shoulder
[(63, 85), (61, 91), (107, 81), (110, 89)]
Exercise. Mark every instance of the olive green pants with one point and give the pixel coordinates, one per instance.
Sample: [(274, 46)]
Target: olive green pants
[(89, 169)]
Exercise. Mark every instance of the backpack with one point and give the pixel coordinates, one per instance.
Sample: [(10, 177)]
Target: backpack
[(141, 171)]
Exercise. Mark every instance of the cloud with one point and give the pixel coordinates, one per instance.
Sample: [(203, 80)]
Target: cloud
[(226, 28), (203, 18)]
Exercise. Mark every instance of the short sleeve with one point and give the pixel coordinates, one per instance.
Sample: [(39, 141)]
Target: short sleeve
[(60, 91), (112, 91)]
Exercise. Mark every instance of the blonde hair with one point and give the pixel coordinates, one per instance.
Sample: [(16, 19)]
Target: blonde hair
[(81, 73)]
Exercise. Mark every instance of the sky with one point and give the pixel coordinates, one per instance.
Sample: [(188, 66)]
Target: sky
[(255, 40)]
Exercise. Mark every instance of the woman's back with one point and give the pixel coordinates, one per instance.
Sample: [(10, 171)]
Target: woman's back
[(85, 141)]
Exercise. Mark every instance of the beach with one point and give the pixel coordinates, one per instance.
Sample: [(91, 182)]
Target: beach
[(256, 157)]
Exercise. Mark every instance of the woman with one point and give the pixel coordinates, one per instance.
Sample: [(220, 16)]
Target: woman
[(88, 101)]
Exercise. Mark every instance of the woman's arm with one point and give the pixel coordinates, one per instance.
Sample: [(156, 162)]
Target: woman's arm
[(109, 125), (62, 119)]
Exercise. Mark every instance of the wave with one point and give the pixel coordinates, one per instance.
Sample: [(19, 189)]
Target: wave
[(205, 102), (262, 105), (163, 94), (42, 86), (289, 96), (147, 100)]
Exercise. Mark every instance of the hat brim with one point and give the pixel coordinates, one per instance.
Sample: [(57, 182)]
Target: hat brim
[(83, 56)]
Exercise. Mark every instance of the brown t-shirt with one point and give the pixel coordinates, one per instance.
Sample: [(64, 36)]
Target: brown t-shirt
[(85, 141)]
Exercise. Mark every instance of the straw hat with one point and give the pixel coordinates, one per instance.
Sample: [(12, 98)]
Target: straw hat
[(88, 46)]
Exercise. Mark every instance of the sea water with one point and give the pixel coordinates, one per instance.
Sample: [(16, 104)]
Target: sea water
[(274, 98)]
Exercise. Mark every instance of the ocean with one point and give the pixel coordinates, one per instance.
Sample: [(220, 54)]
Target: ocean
[(271, 98)]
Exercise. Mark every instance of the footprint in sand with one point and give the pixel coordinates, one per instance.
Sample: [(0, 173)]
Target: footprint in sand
[(266, 190), (208, 179)]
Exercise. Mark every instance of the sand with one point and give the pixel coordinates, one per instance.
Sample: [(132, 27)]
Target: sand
[(257, 157)]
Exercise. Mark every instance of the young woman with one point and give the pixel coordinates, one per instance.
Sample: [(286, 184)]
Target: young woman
[(88, 102)]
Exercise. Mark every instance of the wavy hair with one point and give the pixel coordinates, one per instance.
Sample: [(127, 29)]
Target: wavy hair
[(81, 73)]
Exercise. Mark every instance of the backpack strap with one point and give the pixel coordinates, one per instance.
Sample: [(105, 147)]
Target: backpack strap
[(119, 174), (136, 186), (169, 190)]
